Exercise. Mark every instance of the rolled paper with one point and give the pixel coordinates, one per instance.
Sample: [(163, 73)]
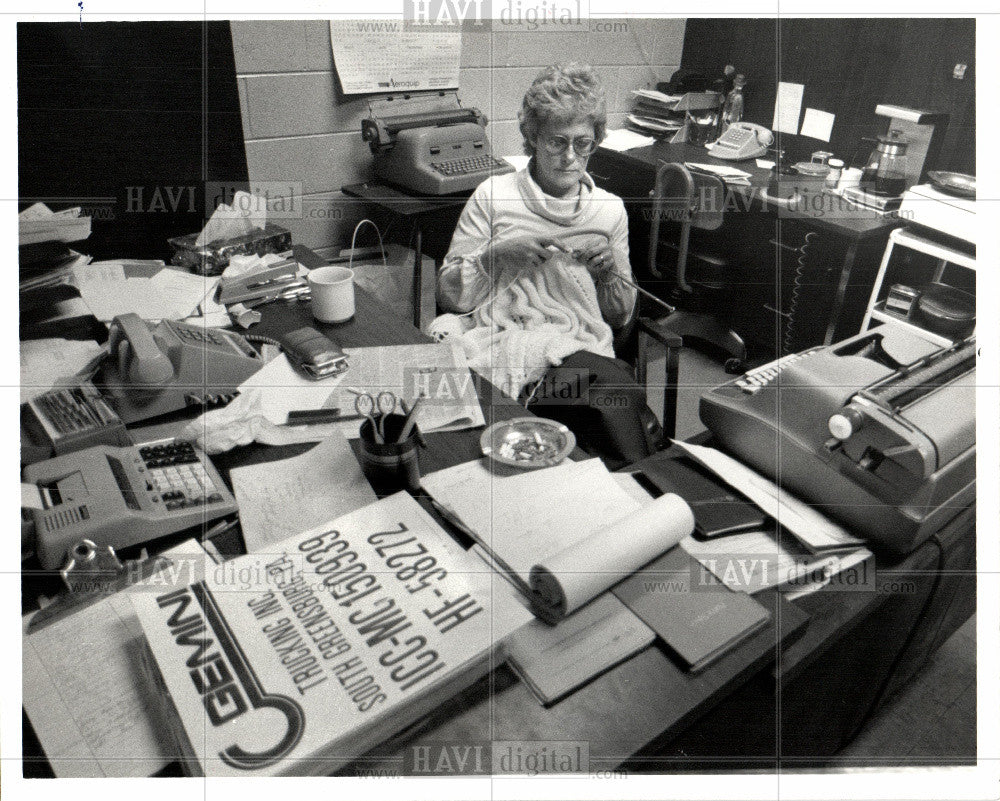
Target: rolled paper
[(567, 580)]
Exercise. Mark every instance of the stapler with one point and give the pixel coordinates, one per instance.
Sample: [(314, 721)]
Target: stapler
[(266, 284)]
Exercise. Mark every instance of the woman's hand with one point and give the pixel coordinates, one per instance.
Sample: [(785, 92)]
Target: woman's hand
[(598, 257), (526, 251)]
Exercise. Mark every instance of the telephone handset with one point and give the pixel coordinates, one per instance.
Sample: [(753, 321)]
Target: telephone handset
[(742, 140), (153, 369), (140, 360)]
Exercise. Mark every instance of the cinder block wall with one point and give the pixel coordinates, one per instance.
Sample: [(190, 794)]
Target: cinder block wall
[(299, 127)]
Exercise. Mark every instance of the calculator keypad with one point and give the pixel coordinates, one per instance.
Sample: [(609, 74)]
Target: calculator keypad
[(178, 476)]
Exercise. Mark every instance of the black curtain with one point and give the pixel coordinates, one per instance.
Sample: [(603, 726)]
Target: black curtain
[(136, 122)]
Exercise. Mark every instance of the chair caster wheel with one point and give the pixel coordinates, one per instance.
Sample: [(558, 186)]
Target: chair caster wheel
[(734, 366)]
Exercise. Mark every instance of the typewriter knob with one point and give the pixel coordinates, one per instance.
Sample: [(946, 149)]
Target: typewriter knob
[(846, 423)]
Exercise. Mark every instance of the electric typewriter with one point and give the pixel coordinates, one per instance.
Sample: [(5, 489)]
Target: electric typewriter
[(878, 430), (430, 144)]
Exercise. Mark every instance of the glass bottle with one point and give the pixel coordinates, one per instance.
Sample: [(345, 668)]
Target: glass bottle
[(733, 111)]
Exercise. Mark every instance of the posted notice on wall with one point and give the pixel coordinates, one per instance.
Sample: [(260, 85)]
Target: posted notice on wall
[(377, 56)]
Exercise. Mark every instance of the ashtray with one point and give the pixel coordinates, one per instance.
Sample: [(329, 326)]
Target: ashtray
[(954, 183), (527, 443), (811, 169)]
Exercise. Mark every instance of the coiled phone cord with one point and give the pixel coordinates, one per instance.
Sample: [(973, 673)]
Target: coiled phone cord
[(788, 340)]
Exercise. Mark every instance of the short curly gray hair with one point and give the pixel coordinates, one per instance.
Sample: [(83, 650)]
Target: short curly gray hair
[(563, 92)]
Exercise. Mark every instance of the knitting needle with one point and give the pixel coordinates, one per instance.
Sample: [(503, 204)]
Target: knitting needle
[(650, 295)]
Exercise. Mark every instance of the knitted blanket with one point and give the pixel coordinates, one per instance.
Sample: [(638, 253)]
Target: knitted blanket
[(535, 319)]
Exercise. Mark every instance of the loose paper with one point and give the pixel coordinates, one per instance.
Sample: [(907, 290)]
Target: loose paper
[(787, 106), (817, 124), (437, 371), (84, 690), (621, 139), (817, 532), (280, 499), (283, 389), (765, 561), (109, 291), (185, 291), (49, 363)]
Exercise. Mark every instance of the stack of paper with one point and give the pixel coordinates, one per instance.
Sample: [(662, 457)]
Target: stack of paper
[(38, 223), (83, 684), (555, 660), (108, 290), (48, 363), (817, 532), (756, 560), (729, 175), (655, 112)]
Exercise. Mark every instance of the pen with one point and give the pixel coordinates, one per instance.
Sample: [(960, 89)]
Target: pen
[(420, 435), (411, 420), (314, 416)]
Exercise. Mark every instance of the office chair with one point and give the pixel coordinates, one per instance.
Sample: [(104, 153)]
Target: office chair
[(693, 200)]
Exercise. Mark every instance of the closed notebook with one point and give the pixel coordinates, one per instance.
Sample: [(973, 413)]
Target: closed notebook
[(555, 660), (695, 614)]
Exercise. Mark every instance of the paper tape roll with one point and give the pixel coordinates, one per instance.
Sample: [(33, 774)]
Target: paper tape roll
[(576, 575)]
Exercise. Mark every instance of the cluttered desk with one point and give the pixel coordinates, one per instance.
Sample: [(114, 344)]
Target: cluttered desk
[(410, 558)]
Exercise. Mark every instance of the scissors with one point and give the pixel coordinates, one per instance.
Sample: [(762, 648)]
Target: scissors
[(365, 405)]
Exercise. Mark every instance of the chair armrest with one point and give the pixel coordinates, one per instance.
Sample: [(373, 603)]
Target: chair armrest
[(672, 343), (666, 338)]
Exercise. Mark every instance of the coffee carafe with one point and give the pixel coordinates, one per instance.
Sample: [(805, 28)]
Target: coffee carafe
[(885, 171)]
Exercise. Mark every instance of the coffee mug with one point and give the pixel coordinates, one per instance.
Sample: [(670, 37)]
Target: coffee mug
[(332, 291), (850, 178)]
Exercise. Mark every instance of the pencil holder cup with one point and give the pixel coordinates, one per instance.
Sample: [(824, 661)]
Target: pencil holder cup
[(390, 466)]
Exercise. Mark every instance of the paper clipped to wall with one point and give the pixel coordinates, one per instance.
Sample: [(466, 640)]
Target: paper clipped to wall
[(818, 124), (376, 56), (787, 107)]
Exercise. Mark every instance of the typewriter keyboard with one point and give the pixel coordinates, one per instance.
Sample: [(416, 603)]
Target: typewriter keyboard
[(482, 163), (178, 476)]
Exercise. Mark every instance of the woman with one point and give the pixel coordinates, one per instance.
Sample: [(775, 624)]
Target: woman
[(533, 269)]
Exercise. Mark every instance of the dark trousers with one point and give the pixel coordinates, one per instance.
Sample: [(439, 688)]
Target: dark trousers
[(599, 401)]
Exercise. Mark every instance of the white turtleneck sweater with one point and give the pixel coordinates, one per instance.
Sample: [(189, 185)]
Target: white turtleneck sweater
[(521, 320)]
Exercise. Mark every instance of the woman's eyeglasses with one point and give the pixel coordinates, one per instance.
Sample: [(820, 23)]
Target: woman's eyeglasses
[(557, 145)]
